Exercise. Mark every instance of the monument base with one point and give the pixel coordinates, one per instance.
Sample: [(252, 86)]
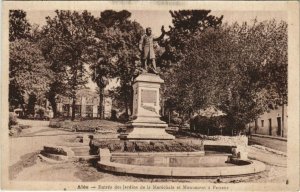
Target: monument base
[(146, 129), (147, 134), (146, 108)]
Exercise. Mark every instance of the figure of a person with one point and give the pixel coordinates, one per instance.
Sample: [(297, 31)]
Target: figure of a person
[(147, 50)]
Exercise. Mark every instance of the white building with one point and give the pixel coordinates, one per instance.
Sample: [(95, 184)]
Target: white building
[(272, 123), (87, 105)]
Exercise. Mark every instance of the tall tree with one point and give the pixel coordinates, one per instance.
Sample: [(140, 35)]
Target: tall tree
[(54, 55), (240, 69), (19, 27), (117, 52), (27, 65), (186, 23), (71, 33), (181, 61), (255, 78), (28, 71)]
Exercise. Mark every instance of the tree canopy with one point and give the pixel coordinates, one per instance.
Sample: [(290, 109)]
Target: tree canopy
[(68, 35), (29, 72), (116, 53), (19, 27), (241, 69)]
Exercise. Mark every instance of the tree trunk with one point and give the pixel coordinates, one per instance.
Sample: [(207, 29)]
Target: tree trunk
[(23, 108), (31, 104), (131, 102), (126, 109), (52, 102), (282, 134), (101, 103), (73, 109)]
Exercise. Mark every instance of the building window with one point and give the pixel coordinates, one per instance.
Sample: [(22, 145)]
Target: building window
[(77, 109), (89, 110), (262, 123), (66, 108)]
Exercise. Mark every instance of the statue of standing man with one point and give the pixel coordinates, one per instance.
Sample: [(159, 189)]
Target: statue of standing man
[(147, 50)]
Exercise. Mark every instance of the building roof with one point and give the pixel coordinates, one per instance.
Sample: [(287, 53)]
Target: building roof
[(211, 111)]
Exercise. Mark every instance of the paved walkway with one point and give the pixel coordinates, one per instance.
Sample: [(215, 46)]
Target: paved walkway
[(33, 139), (267, 157), (279, 145)]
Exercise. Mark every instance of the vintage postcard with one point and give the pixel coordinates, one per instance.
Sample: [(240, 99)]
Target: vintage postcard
[(150, 96)]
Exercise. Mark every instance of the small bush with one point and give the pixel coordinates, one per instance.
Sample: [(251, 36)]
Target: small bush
[(54, 150), (113, 116), (41, 112), (176, 120), (12, 119), (211, 126), (123, 117)]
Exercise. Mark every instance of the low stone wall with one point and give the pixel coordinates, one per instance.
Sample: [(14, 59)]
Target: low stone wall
[(58, 153), (237, 145), (54, 157), (55, 123), (227, 140)]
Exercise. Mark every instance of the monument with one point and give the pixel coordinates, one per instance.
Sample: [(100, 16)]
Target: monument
[(146, 123)]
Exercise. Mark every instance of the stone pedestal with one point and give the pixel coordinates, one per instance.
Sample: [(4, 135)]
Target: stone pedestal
[(146, 106)]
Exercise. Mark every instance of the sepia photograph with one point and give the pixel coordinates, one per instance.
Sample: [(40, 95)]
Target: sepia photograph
[(150, 96)]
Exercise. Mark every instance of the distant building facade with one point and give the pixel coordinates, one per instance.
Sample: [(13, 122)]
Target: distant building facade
[(87, 105), (272, 123)]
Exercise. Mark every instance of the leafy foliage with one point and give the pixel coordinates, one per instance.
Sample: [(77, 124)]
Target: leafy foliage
[(19, 28), (117, 52), (185, 49), (260, 55), (12, 120), (186, 24), (29, 73), (70, 33), (240, 69)]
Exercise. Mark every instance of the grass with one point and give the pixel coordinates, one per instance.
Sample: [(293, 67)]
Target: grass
[(87, 172), (27, 160), (91, 125)]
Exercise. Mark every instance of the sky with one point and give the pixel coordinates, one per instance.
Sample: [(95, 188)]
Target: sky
[(156, 19)]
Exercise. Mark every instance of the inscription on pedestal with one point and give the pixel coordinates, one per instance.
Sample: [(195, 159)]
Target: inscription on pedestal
[(148, 100), (148, 96)]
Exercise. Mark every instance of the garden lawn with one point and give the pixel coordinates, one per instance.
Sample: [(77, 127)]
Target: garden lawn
[(92, 125)]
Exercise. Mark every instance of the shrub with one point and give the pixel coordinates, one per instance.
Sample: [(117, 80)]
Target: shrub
[(176, 120), (211, 125), (113, 116), (123, 117), (12, 119)]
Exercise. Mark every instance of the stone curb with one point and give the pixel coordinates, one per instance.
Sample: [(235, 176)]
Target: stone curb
[(146, 154), (270, 137), (49, 160), (254, 167), (269, 150)]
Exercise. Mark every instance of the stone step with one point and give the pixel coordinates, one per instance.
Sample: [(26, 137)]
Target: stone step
[(81, 151)]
